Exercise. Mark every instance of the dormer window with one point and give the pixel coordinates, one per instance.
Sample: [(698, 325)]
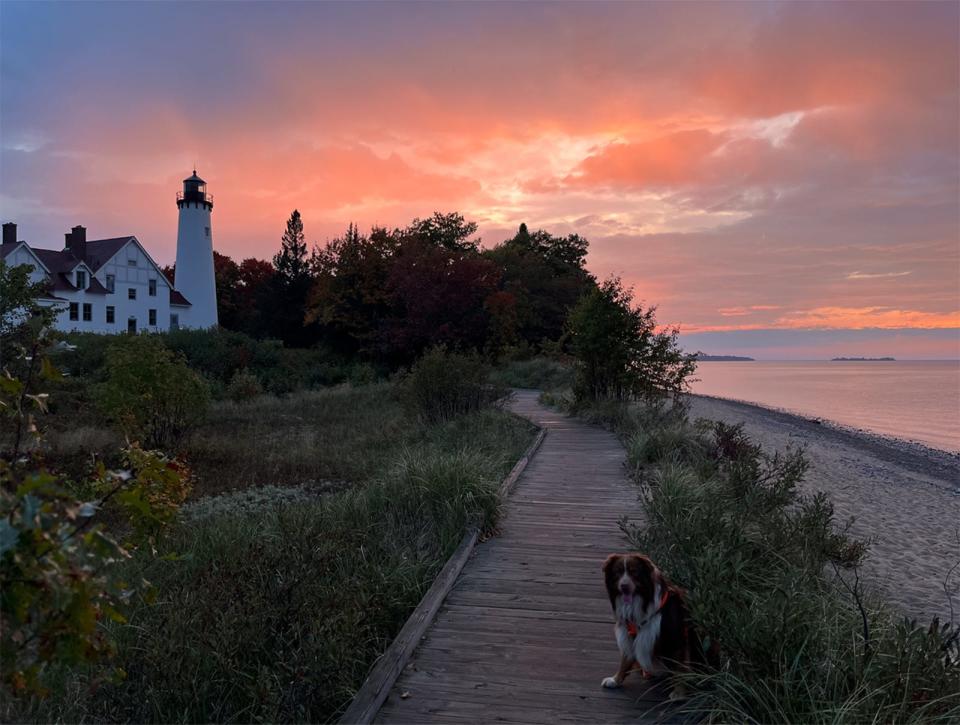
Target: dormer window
[(81, 279)]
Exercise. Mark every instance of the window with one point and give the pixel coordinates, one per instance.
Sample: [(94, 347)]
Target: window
[(81, 279), (207, 231), (131, 293), (74, 311), (153, 288), (111, 314), (153, 317), (132, 263), (111, 283), (87, 312), (174, 322)]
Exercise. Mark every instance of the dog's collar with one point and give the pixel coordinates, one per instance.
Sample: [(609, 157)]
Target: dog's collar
[(633, 629)]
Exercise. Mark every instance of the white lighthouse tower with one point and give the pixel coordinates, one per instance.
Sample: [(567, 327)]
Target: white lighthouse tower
[(194, 274)]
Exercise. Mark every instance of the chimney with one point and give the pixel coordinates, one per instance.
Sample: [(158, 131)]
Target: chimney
[(76, 242), (9, 233)]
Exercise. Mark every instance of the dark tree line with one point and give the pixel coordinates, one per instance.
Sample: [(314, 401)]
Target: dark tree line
[(388, 295)]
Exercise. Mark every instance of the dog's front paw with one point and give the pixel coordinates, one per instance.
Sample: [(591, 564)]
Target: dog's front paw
[(610, 682)]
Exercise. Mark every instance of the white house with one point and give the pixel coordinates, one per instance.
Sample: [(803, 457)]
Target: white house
[(113, 285)]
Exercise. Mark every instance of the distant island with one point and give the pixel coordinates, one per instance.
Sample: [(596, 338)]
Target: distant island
[(863, 359), (703, 357)]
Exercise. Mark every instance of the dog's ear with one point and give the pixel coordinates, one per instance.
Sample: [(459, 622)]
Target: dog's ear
[(610, 561)]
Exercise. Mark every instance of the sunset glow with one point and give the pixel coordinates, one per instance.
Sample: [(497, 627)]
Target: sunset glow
[(745, 167)]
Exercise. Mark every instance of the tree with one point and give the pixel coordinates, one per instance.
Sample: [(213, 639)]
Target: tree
[(439, 295), (350, 297), (286, 308), (619, 353), (546, 276), (291, 261), (151, 393), (449, 231)]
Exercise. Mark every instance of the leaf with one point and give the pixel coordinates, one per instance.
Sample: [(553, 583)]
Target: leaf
[(8, 536)]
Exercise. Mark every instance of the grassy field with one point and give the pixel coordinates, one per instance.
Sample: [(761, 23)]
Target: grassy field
[(317, 522), (773, 579)]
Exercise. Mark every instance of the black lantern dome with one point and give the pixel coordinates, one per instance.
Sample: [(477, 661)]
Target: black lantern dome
[(194, 192)]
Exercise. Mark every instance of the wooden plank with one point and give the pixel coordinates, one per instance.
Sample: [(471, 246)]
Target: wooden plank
[(376, 687), (372, 693), (526, 633)]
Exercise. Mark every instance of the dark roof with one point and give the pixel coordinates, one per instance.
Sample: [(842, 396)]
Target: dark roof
[(176, 298), (99, 251), (194, 177), (7, 248), (95, 288), (59, 282), (56, 261)]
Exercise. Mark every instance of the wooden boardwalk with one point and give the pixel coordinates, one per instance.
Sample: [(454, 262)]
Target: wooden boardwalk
[(526, 633)]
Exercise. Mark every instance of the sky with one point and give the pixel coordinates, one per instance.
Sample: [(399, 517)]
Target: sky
[(781, 180)]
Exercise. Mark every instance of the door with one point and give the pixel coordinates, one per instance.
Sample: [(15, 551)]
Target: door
[(132, 325)]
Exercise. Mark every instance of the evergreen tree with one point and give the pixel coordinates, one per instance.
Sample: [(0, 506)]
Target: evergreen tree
[(291, 261)]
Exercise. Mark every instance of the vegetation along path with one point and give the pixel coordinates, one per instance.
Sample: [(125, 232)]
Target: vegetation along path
[(526, 632)]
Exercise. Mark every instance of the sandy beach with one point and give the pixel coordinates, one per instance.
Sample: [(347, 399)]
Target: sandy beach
[(904, 496)]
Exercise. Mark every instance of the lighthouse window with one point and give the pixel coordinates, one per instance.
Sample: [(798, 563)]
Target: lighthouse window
[(110, 315), (206, 230), (153, 288), (111, 282), (153, 317), (131, 293), (87, 312), (74, 311)]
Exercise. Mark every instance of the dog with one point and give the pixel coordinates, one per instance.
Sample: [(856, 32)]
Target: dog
[(653, 627)]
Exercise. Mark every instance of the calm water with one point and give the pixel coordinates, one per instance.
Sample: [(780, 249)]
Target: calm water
[(913, 400)]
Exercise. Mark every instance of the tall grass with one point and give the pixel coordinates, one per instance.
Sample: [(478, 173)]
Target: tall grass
[(274, 608), (774, 581), (540, 372)]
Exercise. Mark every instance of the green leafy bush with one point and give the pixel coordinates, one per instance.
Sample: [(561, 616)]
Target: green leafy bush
[(540, 372), (243, 386), (619, 352), (150, 393), (442, 385), (775, 581)]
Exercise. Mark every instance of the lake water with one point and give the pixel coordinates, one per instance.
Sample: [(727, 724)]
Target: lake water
[(915, 400)]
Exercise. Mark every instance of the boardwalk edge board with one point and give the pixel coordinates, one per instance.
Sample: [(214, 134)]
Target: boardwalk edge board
[(374, 690)]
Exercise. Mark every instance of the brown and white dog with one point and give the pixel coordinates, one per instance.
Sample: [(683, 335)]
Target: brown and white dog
[(653, 627)]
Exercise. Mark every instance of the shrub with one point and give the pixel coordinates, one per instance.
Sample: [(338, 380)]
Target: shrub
[(619, 353), (542, 373), (774, 580), (150, 393), (244, 386), (442, 385), (274, 609)]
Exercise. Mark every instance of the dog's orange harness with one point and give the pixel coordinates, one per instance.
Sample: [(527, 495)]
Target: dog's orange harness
[(632, 628)]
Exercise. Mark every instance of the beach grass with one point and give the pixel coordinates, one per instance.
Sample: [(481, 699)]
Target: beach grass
[(274, 597), (774, 581)]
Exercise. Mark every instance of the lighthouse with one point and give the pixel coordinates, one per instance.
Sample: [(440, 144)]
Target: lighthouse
[(194, 275)]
